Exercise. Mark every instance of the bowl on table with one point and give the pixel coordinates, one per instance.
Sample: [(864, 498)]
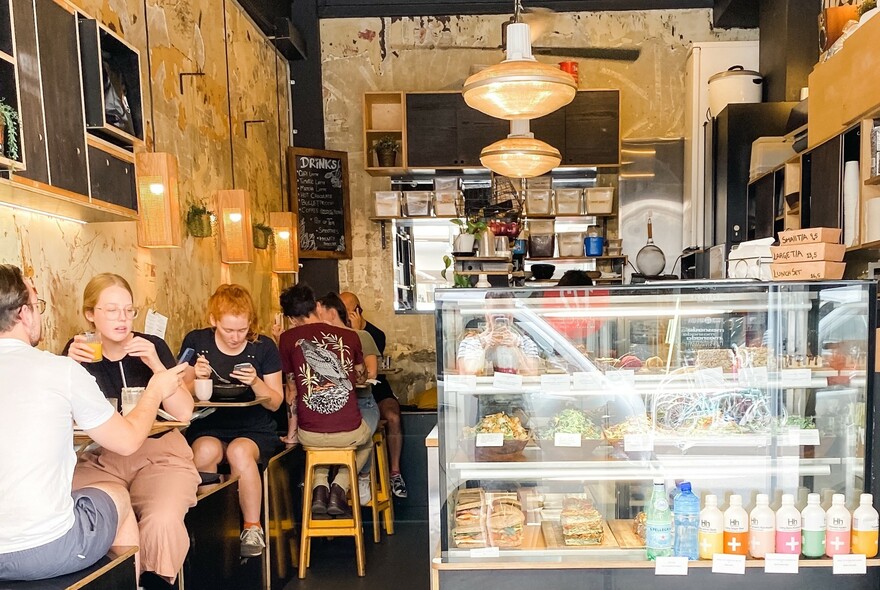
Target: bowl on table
[(227, 392)]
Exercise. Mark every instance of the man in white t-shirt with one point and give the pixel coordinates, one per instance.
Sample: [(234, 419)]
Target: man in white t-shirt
[(45, 529)]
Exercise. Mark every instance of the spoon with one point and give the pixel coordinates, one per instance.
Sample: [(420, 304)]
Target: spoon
[(227, 381)]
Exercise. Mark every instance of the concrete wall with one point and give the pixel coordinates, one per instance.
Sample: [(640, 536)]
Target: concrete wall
[(184, 36), (411, 54)]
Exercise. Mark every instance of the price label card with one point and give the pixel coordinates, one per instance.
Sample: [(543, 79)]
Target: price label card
[(507, 381), (808, 436), (586, 380), (490, 439), (790, 438), (551, 383), (485, 552), (753, 376), (796, 377), (728, 564), (671, 566), (849, 565), (625, 377), (711, 376), (567, 439), (638, 442), (460, 382), (781, 563)]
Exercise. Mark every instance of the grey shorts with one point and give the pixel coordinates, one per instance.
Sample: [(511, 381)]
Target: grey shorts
[(93, 531)]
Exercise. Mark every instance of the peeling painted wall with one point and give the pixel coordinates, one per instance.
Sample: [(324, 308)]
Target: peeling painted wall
[(422, 54), (184, 36)]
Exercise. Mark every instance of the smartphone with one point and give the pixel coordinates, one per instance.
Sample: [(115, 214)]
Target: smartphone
[(242, 367), (186, 356)]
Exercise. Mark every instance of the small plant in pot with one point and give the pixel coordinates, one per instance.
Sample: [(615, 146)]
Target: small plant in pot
[(198, 220), (8, 130), (262, 234), (386, 148), (471, 228)]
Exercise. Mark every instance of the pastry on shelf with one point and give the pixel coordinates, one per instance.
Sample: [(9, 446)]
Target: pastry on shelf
[(640, 525)]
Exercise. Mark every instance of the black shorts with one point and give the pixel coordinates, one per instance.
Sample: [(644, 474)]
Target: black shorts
[(382, 390)]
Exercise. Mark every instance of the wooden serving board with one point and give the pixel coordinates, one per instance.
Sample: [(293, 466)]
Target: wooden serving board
[(553, 538), (624, 534)]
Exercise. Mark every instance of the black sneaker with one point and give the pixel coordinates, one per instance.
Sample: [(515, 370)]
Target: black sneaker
[(398, 486)]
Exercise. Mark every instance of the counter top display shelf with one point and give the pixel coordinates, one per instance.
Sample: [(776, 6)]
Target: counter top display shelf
[(555, 406)]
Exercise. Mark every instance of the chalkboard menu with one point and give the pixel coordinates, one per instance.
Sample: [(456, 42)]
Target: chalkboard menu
[(319, 196)]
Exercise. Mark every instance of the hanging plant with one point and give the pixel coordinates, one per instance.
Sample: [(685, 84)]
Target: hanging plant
[(198, 220), (262, 235), (8, 130)]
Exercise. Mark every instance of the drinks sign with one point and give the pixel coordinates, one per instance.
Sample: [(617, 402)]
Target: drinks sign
[(319, 196)]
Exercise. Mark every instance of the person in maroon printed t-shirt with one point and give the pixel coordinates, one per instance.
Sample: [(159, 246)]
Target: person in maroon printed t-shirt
[(321, 363)]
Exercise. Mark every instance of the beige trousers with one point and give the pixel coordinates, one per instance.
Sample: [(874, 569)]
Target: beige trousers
[(361, 437), (161, 480)]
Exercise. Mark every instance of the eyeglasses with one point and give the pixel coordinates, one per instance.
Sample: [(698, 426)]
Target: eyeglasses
[(116, 312), (39, 305)]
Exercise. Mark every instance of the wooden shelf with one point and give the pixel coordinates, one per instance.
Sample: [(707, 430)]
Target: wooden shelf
[(384, 131), (482, 259), (376, 171), (567, 215), (6, 57), (10, 164), (873, 181), (43, 198), (575, 258), (494, 273)]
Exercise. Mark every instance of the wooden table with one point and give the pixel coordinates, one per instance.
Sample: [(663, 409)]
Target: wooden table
[(81, 440), (230, 404)]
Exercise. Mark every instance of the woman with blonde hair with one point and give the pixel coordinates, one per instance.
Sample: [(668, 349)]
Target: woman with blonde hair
[(232, 351), (160, 477)]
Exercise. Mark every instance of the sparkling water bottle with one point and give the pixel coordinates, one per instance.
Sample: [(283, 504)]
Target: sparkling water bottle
[(686, 518), (658, 537)]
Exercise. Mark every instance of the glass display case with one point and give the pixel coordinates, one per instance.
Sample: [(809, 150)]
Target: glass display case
[(560, 407)]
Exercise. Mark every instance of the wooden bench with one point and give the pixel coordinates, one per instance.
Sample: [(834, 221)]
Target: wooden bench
[(114, 571)]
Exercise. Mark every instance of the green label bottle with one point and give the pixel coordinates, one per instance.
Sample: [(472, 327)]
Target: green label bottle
[(813, 531)]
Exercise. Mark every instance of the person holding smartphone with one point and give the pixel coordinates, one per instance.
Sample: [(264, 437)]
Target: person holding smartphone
[(160, 476), (232, 351)]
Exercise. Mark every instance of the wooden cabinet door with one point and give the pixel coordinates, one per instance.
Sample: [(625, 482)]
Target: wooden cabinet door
[(592, 129), (31, 105), (432, 130), (826, 183), (550, 129), (62, 97), (475, 131), (112, 179)]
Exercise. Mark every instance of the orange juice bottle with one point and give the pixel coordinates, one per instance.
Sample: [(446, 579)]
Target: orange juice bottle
[(736, 527), (864, 527)]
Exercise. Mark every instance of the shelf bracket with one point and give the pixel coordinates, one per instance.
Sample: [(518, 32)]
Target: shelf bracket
[(383, 237), (182, 74), (251, 122)]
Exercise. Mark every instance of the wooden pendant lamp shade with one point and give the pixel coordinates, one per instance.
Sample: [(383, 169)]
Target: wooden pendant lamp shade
[(158, 223), (234, 220), (285, 258)]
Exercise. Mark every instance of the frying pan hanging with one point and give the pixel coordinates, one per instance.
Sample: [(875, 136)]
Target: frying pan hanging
[(650, 260)]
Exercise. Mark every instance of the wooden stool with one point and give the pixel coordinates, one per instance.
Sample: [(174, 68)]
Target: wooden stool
[(380, 485), (335, 527)]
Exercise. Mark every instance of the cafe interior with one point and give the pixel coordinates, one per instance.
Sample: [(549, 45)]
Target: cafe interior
[(349, 146)]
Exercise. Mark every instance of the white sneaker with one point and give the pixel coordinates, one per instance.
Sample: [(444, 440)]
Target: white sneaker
[(364, 489), (252, 542)]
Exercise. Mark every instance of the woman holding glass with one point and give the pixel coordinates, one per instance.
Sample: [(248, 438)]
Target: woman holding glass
[(160, 477), (231, 351)]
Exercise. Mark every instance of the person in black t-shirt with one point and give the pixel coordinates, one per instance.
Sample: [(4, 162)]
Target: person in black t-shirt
[(160, 476), (389, 407), (240, 435)]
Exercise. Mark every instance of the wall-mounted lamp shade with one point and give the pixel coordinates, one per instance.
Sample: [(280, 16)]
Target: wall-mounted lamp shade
[(285, 257), (158, 204), (520, 157), (520, 87), (234, 220)]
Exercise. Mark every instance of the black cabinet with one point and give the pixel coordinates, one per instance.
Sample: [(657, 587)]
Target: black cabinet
[(592, 129), (62, 98), (476, 131), (31, 107), (550, 129), (111, 179), (761, 207)]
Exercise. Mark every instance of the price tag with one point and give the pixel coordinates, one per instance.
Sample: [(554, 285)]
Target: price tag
[(781, 563), (460, 382), (624, 377), (638, 442), (753, 376), (849, 564), (507, 381), (586, 380), (671, 566), (555, 382), (808, 436), (796, 377), (790, 438), (728, 564), (485, 552), (490, 439), (567, 439)]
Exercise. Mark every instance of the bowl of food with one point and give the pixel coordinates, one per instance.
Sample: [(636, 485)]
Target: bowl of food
[(569, 436), (483, 446), (230, 392), (633, 425)]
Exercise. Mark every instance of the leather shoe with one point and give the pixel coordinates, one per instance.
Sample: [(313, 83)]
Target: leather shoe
[(320, 498), (338, 505)]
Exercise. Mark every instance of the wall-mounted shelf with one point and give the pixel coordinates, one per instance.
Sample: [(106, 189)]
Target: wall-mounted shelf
[(37, 197), (384, 114), (873, 181), (575, 258)]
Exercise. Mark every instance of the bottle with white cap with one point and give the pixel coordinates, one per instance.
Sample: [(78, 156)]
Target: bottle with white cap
[(838, 522), (762, 528), (736, 527), (865, 524), (813, 523), (788, 527), (711, 536)]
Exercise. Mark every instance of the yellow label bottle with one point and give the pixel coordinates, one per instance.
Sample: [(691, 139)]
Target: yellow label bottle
[(711, 533)]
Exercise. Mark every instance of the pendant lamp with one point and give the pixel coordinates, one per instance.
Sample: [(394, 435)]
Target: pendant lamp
[(520, 87), (158, 223), (520, 155), (234, 220), (285, 257)]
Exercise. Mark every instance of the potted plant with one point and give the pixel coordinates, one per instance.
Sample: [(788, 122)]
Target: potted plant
[(262, 233), (198, 220), (386, 151), (8, 130), (471, 228), (458, 281)]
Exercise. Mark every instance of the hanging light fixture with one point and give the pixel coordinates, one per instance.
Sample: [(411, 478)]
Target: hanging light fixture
[(158, 223), (285, 257), (520, 87), (234, 220), (520, 155)]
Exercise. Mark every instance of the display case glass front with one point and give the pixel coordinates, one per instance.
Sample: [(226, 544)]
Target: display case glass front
[(560, 407)]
